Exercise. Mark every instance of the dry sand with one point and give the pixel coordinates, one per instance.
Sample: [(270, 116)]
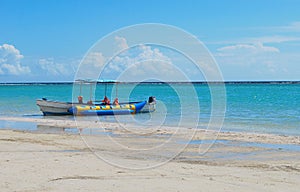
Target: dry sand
[(156, 160)]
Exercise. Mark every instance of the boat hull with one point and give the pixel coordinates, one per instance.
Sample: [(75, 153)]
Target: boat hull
[(54, 107), (149, 108), (123, 109)]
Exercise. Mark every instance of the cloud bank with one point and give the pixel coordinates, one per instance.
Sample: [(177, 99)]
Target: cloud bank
[(135, 63), (10, 61), (239, 50)]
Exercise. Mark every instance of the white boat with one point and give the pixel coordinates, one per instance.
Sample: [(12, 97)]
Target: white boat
[(54, 107)]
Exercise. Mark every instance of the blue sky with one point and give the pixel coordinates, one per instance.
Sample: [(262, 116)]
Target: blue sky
[(44, 40)]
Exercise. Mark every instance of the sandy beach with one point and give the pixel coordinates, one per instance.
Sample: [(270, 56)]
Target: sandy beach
[(69, 161), (149, 96)]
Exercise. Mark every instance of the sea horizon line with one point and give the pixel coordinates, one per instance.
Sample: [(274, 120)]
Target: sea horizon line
[(158, 82)]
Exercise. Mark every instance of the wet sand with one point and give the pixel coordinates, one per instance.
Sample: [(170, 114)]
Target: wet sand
[(109, 158)]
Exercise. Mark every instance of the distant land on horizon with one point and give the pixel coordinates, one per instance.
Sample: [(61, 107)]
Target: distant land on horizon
[(157, 82)]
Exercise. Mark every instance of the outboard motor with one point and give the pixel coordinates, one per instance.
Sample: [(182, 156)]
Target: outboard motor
[(152, 99)]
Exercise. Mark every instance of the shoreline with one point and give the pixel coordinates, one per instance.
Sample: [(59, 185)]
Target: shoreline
[(197, 135), (157, 159)]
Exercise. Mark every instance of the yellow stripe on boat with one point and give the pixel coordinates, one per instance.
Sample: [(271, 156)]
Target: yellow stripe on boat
[(104, 107)]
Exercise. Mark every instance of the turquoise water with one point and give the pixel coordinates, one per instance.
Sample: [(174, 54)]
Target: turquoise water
[(252, 107), (264, 107)]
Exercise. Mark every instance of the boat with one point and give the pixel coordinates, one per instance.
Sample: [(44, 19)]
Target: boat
[(50, 107)]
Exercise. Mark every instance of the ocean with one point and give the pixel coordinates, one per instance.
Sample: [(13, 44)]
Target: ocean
[(255, 107)]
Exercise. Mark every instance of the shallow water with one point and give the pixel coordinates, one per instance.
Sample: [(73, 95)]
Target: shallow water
[(270, 146), (253, 107)]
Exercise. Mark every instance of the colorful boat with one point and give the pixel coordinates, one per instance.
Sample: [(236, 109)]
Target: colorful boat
[(49, 107)]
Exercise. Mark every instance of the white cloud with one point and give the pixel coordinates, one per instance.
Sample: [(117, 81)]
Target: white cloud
[(282, 35), (247, 55), (271, 53), (95, 59), (250, 60), (291, 27), (121, 43), (137, 62), (257, 48), (273, 39), (54, 68), (10, 61), (261, 39), (91, 65), (140, 62)]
